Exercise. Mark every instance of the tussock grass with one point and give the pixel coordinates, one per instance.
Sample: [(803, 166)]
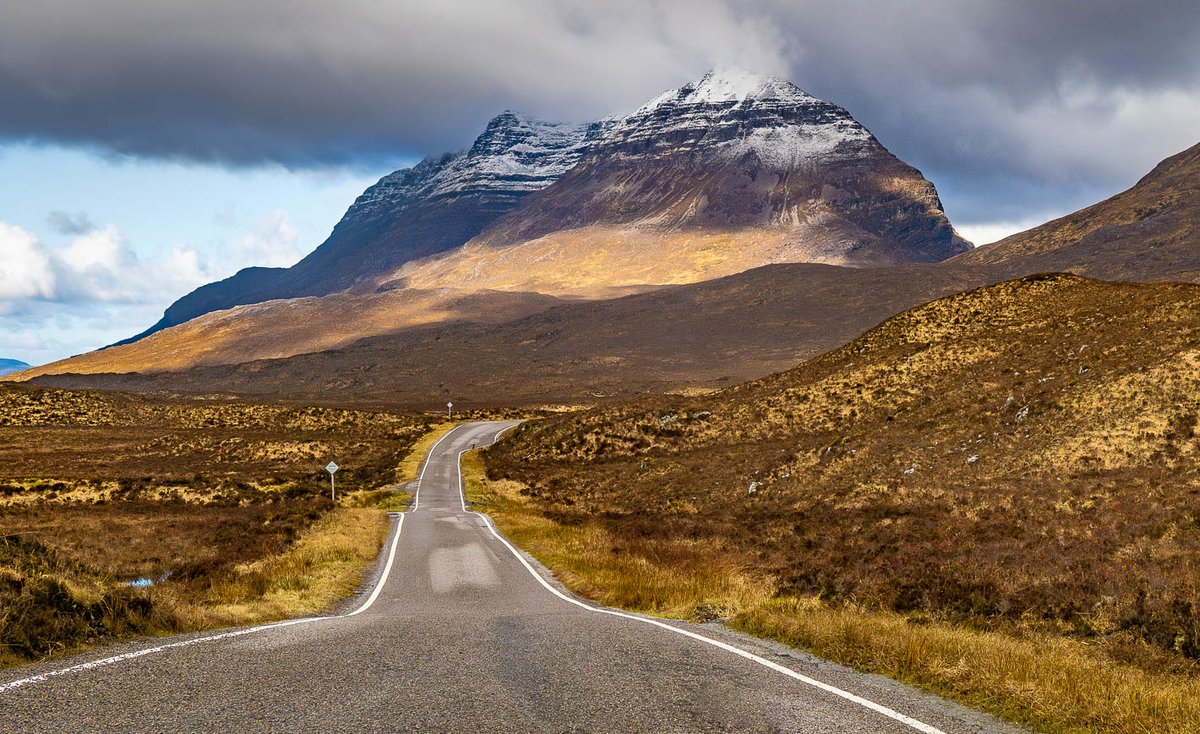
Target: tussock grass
[(325, 565), (390, 500), (1050, 683), (679, 579), (1045, 681)]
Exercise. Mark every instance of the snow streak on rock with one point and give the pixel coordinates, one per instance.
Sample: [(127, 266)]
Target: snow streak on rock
[(738, 112), (515, 155)]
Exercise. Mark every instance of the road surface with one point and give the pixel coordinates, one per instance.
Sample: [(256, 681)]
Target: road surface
[(458, 632)]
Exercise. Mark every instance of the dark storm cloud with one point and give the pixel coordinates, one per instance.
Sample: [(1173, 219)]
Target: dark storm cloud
[(1015, 99)]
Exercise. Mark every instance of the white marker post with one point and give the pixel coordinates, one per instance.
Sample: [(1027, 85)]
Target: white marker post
[(449, 408), (332, 469)]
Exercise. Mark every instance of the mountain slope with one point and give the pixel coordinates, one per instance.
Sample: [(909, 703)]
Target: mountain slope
[(707, 334), (1149, 232), (277, 329), (436, 205)]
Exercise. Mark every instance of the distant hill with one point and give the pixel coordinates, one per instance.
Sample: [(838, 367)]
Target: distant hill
[(705, 335), (9, 366), (1150, 232)]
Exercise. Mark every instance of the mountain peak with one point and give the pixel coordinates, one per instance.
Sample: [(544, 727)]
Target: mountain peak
[(732, 84), (729, 86)]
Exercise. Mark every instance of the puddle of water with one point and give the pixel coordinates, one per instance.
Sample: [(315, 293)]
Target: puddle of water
[(145, 582)]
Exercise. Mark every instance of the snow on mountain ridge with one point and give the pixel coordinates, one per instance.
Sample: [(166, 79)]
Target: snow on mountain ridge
[(515, 154), (735, 112), (729, 110)]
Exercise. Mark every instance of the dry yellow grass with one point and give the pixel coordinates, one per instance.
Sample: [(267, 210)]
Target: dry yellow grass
[(684, 580), (609, 261), (409, 467), (325, 565), (1050, 683), (1053, 684), (283, 328)]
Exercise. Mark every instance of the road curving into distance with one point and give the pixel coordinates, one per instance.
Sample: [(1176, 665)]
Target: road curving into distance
[(460, 632)]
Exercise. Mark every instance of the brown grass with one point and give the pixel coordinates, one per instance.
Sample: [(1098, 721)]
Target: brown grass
[(1050, 683), (1021, 453), (1019, 459), (222, 505)]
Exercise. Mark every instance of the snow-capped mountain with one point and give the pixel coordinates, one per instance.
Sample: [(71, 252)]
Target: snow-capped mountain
[(735, 113), (794, 178), (436, 205), (777, 174), (514, 156)]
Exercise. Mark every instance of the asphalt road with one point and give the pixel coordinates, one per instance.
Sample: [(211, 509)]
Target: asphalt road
[(464, 634)]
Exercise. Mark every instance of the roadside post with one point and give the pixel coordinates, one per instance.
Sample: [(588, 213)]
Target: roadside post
[(449, 408), (332, 469)]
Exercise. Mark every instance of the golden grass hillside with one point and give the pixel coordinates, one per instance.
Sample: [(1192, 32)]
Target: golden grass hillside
[(287, 327), (1018, 456), (1145, 233)]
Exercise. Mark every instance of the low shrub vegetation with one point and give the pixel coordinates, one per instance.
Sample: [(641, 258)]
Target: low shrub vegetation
[(1018, 460), (126, 515)]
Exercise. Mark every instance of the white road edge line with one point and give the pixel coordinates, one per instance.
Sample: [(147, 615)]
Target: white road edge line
[(103, 662), (425, 465), (865, 703), (462, 495), (383, 577)]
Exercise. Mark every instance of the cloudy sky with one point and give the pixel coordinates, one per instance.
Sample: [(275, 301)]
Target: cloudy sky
[(147, 148)]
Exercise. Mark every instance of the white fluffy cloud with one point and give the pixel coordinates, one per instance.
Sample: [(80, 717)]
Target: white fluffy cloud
[(26, 270), (98, 266), (273, 243), (58, 299)]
